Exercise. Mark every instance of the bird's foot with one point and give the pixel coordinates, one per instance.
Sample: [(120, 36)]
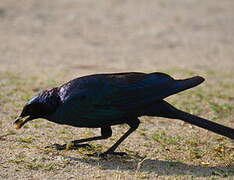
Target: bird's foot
[(105, 154), (57, 147), (77, 146), (68, 146)]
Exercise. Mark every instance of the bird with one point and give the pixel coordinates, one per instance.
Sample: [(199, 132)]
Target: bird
[(108, 99)]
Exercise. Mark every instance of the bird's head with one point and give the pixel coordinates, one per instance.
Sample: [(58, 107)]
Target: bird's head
[(39, 106)]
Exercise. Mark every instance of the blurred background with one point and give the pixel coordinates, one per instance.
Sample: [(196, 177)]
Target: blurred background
[(81, 37)]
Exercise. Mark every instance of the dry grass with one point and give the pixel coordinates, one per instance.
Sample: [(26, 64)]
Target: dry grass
[(44, 44)]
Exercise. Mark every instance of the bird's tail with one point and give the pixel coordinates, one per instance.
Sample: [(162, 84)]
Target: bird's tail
[(164, 109), (206, 124)]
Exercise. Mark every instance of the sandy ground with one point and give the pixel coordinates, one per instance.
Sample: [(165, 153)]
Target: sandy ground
[(44, 43)]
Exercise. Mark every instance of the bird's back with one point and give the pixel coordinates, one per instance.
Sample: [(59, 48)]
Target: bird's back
[(98, 81)]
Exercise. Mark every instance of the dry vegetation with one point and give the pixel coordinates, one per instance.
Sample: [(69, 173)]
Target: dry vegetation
[(45, 43)]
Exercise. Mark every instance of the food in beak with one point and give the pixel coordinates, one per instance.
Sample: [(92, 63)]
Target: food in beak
[(19, 122)]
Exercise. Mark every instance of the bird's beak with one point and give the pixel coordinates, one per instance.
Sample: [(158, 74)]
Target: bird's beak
[(19, 122)]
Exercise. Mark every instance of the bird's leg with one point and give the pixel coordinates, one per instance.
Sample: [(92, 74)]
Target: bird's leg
[(133, 126), (106, 132)]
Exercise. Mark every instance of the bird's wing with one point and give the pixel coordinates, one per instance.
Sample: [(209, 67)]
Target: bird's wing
[(128, 92), (113, 95)]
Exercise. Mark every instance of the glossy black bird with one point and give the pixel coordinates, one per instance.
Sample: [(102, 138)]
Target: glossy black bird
[(104, 100)]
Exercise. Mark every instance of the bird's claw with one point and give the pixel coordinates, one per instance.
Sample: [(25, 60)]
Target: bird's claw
[(76, 146), (105, 154), (57, 147), (68, 146)]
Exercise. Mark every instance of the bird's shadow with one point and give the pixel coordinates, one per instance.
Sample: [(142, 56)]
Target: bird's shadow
[(159, 167)]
